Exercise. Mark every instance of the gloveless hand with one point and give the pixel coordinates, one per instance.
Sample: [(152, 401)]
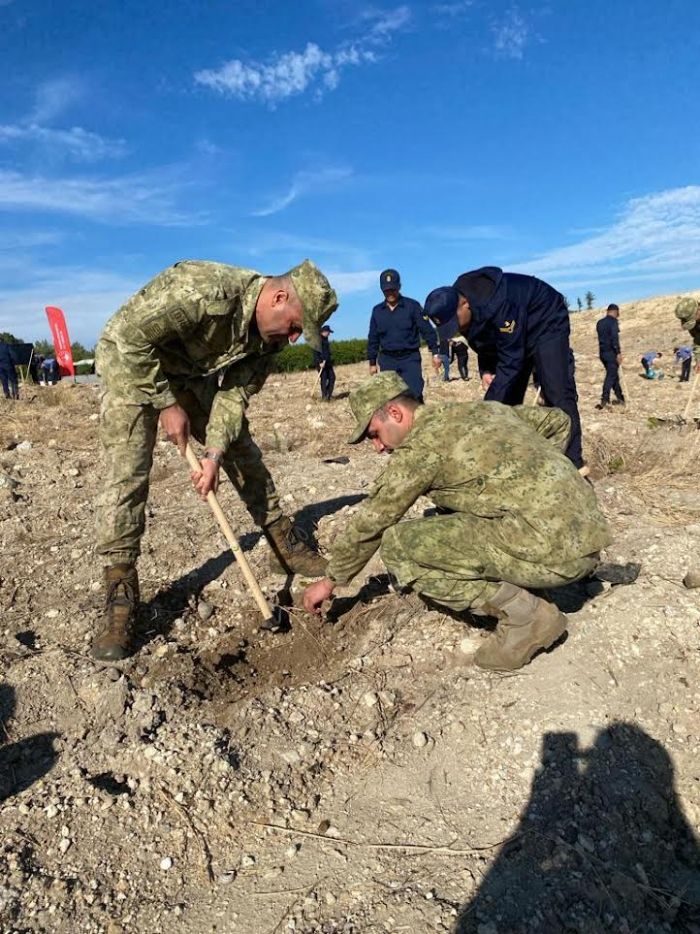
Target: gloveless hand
[(175, 424)]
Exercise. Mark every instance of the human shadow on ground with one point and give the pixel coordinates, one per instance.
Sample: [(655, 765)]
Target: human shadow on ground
[(602, 846), (24, 761), (309, 515)]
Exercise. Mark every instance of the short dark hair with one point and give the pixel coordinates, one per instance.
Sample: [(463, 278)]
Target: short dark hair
[(613, 307)]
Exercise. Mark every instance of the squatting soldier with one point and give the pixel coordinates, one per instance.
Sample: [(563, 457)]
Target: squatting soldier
[(395, 329), (519, 513), (514, 323), (188, 351), (688, 313)]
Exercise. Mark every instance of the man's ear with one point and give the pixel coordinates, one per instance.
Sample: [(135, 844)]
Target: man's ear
[(395, 412), (280, 297)]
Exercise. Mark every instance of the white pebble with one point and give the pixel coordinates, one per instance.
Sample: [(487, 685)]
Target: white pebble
[(166, 863), (420, 740), (370, 699)]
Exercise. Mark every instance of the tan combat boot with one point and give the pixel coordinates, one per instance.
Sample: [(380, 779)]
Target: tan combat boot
[(292, 551), (113, 641), (526, 624)]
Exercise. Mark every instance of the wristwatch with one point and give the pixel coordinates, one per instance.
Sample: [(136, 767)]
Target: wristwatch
[(215, 456)]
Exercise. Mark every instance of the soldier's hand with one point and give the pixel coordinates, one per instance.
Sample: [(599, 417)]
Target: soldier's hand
[(176, 426), (373, 369), (486, 380), (697, 367), (206, 480), (315, 594), (437, 362)]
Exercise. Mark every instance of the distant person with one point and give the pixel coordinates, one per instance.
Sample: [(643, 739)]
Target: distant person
[(444, 351), (323, 361), (459, 351), (51, 371), (8, 373), (688, 313), (684, 356), (649, 361), (34, 369), (514, 323), (610, 354), (395, 329)]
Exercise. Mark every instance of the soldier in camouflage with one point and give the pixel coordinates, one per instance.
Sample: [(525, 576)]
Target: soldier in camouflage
[(519, 515), (188, 351), (688, 313)]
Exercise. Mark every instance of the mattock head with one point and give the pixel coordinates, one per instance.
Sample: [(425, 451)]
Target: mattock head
[(278, 622)]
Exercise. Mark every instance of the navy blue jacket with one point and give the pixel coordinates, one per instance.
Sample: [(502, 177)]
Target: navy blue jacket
[(511, 315), (399, 331), (608, 329), (6, 360), (324, 354)]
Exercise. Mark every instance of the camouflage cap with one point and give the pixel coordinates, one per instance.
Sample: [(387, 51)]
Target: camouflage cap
[(372, 395), (687, 312), (318, 300)]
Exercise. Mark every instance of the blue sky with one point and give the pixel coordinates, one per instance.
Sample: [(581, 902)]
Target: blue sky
[(559, 138)]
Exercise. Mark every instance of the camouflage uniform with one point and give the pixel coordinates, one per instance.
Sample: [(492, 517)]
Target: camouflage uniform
[(187, 338), (686, 312), (519, 510)]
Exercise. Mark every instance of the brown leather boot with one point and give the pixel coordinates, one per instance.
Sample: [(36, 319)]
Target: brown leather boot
[(292, 551), (113, 641), (526, 624)]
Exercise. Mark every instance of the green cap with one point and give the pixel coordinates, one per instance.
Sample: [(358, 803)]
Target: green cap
[(318, 300), (372, 395), (687, 312)]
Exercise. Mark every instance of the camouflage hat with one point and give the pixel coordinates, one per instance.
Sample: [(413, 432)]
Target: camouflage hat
[(318, 300), (687, 312), (372, 395)]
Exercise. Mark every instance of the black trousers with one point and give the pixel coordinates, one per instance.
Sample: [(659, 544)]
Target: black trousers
[(612, 379), (327, 381), (556, 371), (685, 370)]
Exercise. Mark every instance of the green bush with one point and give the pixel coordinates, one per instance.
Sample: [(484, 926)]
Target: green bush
[(294, 359)]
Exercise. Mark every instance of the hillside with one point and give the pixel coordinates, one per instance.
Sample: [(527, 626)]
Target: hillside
[(356, 774)]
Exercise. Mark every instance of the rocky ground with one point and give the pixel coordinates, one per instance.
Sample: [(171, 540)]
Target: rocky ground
[(357, 774)]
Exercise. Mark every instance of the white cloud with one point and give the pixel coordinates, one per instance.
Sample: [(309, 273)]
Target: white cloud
[(291, 73), (146, 198), (303, 183), (88, 298), (78, 142), (346, 283), (54, 96), (458, 8), (654, 236), (511, 35)]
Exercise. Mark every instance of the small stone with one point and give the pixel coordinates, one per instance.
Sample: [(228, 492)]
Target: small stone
[(51, 614), (370, 699), (179, 624), (114, 674), (65, 844), (227, 876), (420, 740), (51, 811), (204, 610), (330, 898), (692, 579), (166, 863), (247, 860), (24, 446), (467, 646)]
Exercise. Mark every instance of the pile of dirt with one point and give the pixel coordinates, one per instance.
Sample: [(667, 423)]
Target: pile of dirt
[(357, 774)]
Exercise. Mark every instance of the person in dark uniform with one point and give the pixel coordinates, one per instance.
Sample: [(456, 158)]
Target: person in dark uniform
[(395, 329), (514, 323), (608, 330), (459, 351), (8, 373), (323, 361)]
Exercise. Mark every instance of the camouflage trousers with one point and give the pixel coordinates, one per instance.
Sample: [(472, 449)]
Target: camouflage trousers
[(128, 434), (460, 560)]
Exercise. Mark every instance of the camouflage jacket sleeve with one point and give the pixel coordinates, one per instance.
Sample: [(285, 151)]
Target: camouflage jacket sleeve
[(408, 475), (241, 381), (552, 424), (137, 337)]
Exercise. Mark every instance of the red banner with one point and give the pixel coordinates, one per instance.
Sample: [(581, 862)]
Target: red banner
[(61, 341)]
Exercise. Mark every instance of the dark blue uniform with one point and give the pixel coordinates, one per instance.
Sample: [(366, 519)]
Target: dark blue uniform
[(325, 357), (520, 322), (608, 330), (8, 373), (394, 340)]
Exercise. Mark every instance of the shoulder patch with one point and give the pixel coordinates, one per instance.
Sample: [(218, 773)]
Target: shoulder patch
[(508, 327)]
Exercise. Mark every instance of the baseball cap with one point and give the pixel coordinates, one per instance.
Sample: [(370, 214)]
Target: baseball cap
[(389, 280), (441, 307), (372, 395), (318, 299)]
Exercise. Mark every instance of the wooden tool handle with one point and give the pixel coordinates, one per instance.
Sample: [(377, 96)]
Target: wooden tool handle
[(225, 527)]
